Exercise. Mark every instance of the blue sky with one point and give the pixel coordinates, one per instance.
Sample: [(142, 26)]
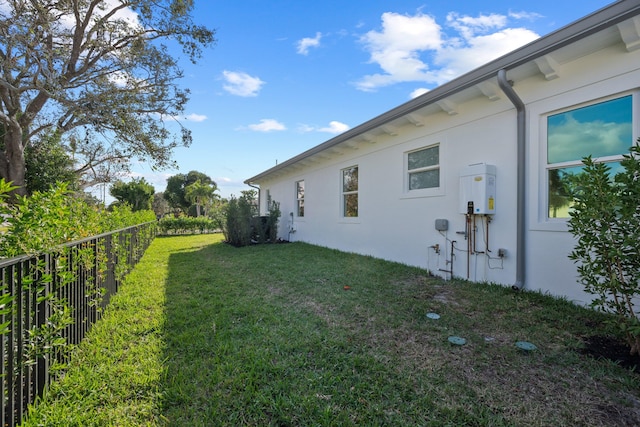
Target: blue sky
[(285, 76)]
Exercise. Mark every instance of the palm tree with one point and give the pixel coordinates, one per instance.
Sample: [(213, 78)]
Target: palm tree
[(200, 194)]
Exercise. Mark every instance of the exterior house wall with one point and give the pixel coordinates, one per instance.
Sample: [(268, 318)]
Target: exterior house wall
[(611, 72), (396, 225)]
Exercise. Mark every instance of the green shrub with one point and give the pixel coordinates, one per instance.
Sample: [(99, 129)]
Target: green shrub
[(45, 220), (42, 223), (272, 222), (237, 230), (242, 227), (188, 225), (605, 219)]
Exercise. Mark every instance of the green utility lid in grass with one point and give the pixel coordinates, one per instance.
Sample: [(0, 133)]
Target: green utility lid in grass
[(526, 346), (457, 340)]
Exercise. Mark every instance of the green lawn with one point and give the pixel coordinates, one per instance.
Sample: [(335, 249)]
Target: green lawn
[(204, 334)]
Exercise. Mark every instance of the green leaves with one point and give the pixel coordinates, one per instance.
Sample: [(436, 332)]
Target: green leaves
[(112, 78), (187, 225), (177, 185), (606, 223), (137, 193), (242, 225)]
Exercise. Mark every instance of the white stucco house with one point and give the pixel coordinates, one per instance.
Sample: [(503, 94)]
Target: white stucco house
[(466, 180)]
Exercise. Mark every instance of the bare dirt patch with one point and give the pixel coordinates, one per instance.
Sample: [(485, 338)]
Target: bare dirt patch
[(613, 349)]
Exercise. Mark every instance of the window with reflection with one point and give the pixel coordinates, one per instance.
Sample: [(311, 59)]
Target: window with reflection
[(603, 130), (423, 167), (350, 192), (300, 198)]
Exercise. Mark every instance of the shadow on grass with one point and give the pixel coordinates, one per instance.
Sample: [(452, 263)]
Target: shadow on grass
[(220, 368), (301, 335), (267, 336)]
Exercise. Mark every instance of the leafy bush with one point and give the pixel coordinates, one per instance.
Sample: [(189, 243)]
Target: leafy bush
[(606, 222), (237, 230), (45, 220), (270, 231), (188, 225), (41, 224), (242, 227)]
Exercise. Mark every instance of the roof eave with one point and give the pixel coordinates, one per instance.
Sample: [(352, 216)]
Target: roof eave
[(597, 21)]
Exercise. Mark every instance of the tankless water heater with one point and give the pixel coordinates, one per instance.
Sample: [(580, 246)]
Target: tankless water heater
[(478, 189)]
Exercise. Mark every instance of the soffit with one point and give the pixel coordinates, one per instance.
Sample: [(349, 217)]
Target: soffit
[(544, 56)]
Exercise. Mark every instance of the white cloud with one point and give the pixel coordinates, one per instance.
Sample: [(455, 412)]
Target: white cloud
[(308, 42), (479, 50), (468, 26), (397, 47), (417, 92), (195, 117), (157, 179), (305, 128), (126, 14), (597, 137), (334, 127), (119, 78), (417, 49), (267, 125), (531, 16), (241, 84)]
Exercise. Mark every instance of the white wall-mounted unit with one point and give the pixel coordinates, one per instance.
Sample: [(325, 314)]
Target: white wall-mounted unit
[(478, 189)]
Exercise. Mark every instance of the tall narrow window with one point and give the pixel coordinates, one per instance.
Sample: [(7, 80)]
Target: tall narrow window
[(300, 197), (603, 131), (350, 192), (423, 168)]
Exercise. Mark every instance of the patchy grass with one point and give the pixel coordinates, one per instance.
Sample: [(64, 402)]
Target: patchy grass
[(204, 334)]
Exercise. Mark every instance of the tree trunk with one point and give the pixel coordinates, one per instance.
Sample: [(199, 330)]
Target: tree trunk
[(12, 166)]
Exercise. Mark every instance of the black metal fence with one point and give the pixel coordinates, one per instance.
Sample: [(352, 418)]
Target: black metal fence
[(48, 302)]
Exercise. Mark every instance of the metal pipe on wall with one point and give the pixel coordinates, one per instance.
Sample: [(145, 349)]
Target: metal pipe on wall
[(505, 85)]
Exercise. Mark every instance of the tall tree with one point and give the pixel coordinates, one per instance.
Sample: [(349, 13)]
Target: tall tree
[(175, 192), (200, 194), (159, 205), (94, 67), (137, 193), (47, 163)]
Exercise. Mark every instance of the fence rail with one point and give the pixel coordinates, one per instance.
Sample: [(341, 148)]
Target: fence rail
[(48, 303)]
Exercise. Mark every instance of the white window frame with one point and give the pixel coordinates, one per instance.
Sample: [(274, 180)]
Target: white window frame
[(343, 194), (539, 198), (300, 205), (578, 162), (423, 192)]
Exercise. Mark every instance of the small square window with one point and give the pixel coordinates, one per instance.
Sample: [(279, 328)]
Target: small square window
[(423, 168)]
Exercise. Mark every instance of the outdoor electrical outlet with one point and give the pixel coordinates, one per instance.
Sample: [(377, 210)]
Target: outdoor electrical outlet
[(502, 253)]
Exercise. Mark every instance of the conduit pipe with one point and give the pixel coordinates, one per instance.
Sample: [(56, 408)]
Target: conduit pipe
[(505, 85)]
